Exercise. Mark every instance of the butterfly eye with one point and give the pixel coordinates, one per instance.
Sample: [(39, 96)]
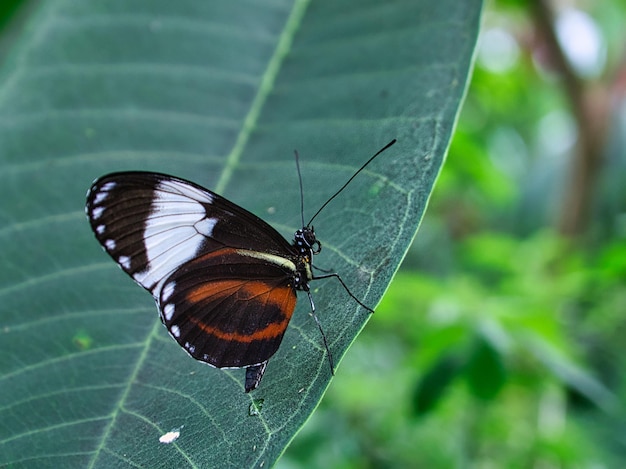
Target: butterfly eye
[(316, 247), (308, 235)]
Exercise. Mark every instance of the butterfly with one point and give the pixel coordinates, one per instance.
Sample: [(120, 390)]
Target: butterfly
[(224, 280)]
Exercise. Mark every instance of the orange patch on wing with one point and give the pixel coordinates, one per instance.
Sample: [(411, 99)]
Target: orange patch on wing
[(244, 289), (282, 297), (216, 254), (213, 289)]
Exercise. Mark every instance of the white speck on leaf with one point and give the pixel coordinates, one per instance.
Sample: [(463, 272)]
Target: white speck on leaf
[(171, 436)]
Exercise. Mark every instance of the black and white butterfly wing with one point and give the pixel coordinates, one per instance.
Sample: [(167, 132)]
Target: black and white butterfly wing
[(222, 277), (151, 224)]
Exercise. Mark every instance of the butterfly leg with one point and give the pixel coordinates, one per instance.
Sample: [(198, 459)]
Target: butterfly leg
[(326, 271), (345, 287), (319, 326), (254, 374)]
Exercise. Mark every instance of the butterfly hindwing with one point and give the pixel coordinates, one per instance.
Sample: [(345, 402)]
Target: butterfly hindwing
[(230, 307)]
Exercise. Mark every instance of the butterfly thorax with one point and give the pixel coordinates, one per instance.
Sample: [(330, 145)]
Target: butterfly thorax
[(307, 245)]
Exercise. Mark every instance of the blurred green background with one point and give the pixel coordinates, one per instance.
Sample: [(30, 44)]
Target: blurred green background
[(501, 341)]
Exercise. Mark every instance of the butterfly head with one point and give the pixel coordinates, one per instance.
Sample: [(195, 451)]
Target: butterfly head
[(306, 242)]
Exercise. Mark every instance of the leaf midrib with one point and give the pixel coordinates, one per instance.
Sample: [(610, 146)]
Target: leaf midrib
[(232, 161), (266, 85)]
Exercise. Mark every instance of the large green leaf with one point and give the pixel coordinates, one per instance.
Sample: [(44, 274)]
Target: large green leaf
[(220, 92)]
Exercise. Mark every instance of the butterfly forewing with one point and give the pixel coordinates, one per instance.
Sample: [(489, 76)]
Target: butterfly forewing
[(151, 224), (222, 277)]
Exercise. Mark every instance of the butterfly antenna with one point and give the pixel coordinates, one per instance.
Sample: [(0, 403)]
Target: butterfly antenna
[(348, 182), (301, 190)]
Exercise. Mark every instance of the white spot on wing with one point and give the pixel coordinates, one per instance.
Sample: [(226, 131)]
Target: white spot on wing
[(124, 261), (175, 331), (100, 229), (110, 244), (168, 312), (167, 291), (206, 226), (100, 196), (97, 212), (108, 186)]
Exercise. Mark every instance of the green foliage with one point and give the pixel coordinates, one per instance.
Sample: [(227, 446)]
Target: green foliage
[(493, 356), (221, 93), (435, 382), (499, 344)]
